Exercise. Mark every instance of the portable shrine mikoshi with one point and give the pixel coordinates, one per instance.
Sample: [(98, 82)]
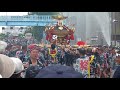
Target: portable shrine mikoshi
[(59, 34)]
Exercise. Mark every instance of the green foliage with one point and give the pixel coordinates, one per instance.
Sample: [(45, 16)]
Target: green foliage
[(37, 31), (21, 35), (28, 30), (2, 36)]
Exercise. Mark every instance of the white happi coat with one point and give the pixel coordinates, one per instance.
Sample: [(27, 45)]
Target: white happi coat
[(81, 65)]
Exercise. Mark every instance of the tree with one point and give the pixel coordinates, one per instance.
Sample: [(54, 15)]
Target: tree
[(28, 30), (20, 35), (2, 36), (37, 31)]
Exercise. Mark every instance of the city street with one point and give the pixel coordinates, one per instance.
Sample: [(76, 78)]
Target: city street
[(59, 45)]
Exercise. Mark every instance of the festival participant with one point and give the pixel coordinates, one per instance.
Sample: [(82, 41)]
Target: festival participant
[(62, 57), (113, 56), (34, 63), (117, 71), (81, 64), (53, 53), (13, 51), (34, 57)]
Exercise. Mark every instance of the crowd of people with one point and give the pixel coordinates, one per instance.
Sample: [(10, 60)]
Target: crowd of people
[(34, 61)]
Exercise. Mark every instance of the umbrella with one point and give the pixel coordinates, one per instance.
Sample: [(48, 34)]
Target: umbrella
[(7, 66), (3, 45), (18, 65), (58, 71), (0, 76), (79, 43)]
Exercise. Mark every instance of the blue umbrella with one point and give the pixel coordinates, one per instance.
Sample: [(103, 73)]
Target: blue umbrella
[(58, 71)]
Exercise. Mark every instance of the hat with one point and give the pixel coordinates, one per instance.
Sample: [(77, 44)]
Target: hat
[(3, 45), (32, 46), (7, 66), (58, 71), (18, 65)]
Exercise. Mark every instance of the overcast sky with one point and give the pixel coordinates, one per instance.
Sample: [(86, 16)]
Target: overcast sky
[(11, 14)]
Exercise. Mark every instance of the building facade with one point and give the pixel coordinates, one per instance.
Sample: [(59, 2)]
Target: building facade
[(79, 20), (91, 27), (115, 26)]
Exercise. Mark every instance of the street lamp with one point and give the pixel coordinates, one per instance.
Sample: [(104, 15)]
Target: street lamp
[(115, 21)]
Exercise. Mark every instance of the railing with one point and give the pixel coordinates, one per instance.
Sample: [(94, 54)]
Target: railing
[(27, 18)]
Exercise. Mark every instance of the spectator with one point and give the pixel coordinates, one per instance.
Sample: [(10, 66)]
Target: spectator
[(117, 71), (34, 57)]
